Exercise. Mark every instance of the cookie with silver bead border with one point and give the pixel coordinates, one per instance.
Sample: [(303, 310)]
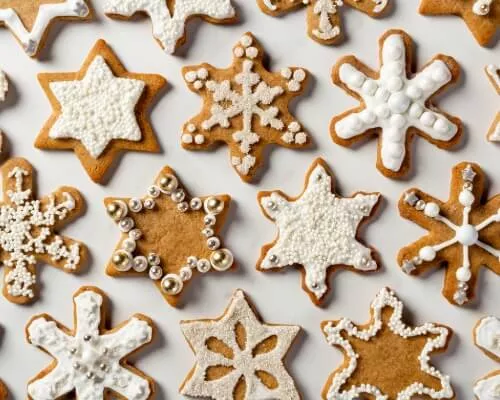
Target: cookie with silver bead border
[(91, 361), (486, 337), (169, 236), (463, 232)]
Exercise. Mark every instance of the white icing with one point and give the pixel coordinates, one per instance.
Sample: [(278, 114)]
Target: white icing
[(488, 388), (89, 366), (336, 336), (169, 29), (4, 85), (98, 108), (493, 72), (395, 103), (46, 13), (487, 335), (482, 7), (243, 362), (26, 233), (318, 230)]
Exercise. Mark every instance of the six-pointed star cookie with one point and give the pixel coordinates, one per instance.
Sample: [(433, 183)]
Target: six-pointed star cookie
[(386, 359), (238, 357), (493, 72), (487, 338), (29, 21), (99, 111), (481, 16), (245, 106), (90, 360), (169, 236), (324, 16), (394, 106), (169, 17), (317, 230), (464, 233), (28, 231)]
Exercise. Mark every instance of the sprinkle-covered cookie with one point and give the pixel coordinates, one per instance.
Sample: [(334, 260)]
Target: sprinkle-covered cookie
[(244, 106), (169, 236), (395, 104), (385, 358), (317, 231), (481, 16), (464, 233), (170, 17), (30, 21), (99, 111), (324, 19), (487, 338), (493, 72), (90, 361), (238, 357), (29, 231)]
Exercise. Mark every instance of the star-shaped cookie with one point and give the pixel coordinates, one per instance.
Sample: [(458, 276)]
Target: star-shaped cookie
[(238, 357), (168, 235), (99, 111), (318, 231), (29, 231), (487, 338), (385, 358), (244, 106), (493, 72), (481, 16), (29, 21), (464, 232)]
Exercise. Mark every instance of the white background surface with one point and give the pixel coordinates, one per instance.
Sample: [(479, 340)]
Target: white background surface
[(278, 297)]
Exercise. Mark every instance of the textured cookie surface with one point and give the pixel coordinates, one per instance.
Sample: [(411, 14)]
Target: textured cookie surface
[(493, 72), (486, 337), (3, 391)]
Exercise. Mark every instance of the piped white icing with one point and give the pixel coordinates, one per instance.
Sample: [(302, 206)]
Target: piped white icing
[(89, 362), (493, 72), (487, 337), (488, 388), (168, 29), (4, 85), (98, 108)]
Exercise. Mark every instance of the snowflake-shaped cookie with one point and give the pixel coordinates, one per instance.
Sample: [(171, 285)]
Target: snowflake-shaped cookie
[(317, 230), (245, 106), (99, 111), (169, 236), (238, 357), (393, 105), (481, 16), (493, 72), (169, 17), (29, 21), (28, 231), (464, 233), (90, 360), (324, 16), (386, 359), (487, 338)]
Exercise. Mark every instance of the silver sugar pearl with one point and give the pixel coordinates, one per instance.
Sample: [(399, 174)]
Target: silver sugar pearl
[(271, 205), (140, 264), (76, 365), (116, 210), (129, 245), (168, 183), (209, 220), (420, 205), (103, 367), (126, 224), (213, 243), (171, 284), (73, 350), (122, 260), (153, 259), (135, 205), (87, 338), (207, 232), (273, 259), (196, 203), (178, 196), (154, 191), (90, 375), (221, 259), (203, 265), (185, 273), (135, 234), (183, 207), (149, 204), (192, 261), (155, 272), (213, 205)]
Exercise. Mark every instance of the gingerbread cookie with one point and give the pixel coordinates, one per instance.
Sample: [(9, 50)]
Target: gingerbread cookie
[(239, 357), (90, 361), (481, 16), (170, 17), (493, 72), (29, 231), (385, 358), (30, 21), (464, 233), (169, 236), (317, 231), (245, 106), (486, 337), (3, 391), (324, 22), (395, 104), (99, 111)]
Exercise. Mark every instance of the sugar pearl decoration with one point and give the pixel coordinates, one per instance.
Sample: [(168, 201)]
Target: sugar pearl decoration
[(221, 260)]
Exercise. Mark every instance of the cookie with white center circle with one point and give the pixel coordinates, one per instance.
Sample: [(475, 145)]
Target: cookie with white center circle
[(318, 231), (487, 338), (481, 16), (493, 72), (324, 17), (169, 236), (464, 232), (395, 104), (245, 106), (100, 111), (90, 361), (30, 21), (239, 357), (170, 17), (385, 358), (29, 231)]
